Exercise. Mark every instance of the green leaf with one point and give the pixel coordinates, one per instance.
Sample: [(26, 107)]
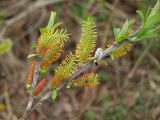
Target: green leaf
[(125, 31), (116, 32), (152, 33), (35, 45), (50, 30), (54, 94), (69, 84), (57, 25), (29, 86), (32, 55), (151, 26), (44, 30), (147, 13), (142, 16), (5, 46), (42, 71), (51, 20)]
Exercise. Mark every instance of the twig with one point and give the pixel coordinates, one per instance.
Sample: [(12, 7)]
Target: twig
[(34, 104), (114, 46), (36, 74), (31, 98)]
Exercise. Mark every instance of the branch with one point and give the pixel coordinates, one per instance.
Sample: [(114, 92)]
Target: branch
[(87, 66), (31, 98)]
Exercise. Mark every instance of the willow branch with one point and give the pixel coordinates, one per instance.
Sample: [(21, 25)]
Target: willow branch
[(31, 98), (80, 71), (32, 104)]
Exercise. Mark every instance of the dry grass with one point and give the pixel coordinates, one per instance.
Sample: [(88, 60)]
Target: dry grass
[(130, 87)]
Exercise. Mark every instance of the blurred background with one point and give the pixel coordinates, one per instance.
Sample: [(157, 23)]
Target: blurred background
[(130, 86)]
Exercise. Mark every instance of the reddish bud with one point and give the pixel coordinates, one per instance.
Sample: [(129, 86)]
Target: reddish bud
[(39, 87), (31, 72)]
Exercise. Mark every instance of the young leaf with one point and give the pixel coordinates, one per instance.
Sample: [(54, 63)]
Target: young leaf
[(116, 32), (35, 45), (142, 16), (151, 26), (125, 31), (51, 20), (69, 84), (42, 71), (54, 94)]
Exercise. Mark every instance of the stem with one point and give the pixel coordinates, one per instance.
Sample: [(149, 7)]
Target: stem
[(80, 71), (31, 98), (36, 74), (114, 46)]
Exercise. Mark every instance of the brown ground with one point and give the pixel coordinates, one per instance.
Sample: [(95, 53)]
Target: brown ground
[(130, 86)]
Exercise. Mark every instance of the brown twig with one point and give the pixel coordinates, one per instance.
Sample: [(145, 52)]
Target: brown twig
[(34, 104), (31, 98)]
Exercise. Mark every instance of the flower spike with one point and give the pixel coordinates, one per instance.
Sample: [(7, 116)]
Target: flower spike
[(89, 79), (64, 70), (121, 50), (51, 42), (52, 54), (87, 41)]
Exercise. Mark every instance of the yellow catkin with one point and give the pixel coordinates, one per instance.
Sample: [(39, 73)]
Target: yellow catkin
[(64, 70), (52, 54), (121, 51), (90, 80), (84, 54), (87, 40)]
